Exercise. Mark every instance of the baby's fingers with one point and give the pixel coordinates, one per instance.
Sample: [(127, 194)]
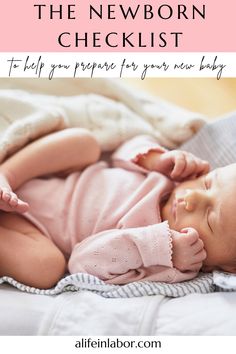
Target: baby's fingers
[(196, 267), (179, 165), (198, 246), (13, 201), (200, 256), (203, 167), (21, 206), (198, 260), (191, 166), (5, 195), (9, 197), (191, 236), (196, 169)]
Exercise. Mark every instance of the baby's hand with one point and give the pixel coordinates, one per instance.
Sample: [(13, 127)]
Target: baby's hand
[(10, 202), (181, 165), (188, 250)]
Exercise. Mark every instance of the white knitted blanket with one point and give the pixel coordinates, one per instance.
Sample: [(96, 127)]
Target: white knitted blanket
[(32, 108)]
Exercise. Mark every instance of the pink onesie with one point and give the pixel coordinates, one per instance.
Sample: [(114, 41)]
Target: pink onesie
[(106, 219)]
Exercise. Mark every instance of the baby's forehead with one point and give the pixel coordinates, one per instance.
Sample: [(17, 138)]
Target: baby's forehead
[(225, 181), (226, 172)]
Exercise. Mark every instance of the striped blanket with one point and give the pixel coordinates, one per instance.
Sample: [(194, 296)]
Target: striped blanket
[(204, 283)]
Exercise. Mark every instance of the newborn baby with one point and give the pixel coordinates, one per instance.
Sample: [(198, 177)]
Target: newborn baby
[(205, 203), (151, 214), (208, 204)]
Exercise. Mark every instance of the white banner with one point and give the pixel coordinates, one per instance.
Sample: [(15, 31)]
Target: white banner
[(117, 65), (127, 344)]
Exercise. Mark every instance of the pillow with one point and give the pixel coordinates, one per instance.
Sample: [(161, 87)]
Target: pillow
[(215, 142)]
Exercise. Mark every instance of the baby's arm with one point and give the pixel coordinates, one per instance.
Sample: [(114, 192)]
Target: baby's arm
[(121, 256), (143, 153), (69, 149)]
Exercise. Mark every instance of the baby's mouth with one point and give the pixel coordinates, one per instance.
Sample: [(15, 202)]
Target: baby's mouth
[(173, 208), (166, 197)]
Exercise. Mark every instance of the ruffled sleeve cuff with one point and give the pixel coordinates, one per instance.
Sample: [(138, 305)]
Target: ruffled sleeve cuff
[(129, 154), (156, 245)]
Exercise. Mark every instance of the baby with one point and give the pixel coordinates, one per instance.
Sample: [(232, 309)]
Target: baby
[(152, 215)]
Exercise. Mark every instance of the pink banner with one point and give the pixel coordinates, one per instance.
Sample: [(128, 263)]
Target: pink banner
[(124, 26)]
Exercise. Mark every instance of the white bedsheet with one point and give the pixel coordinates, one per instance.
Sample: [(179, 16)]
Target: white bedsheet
[(22, 313), (85, 313), (198, 314), (95, 315)]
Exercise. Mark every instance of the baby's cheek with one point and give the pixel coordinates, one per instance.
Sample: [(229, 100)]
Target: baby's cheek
[(187, 221)]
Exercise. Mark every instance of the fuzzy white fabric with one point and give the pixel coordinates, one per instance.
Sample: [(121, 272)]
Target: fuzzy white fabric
[(112, 110)]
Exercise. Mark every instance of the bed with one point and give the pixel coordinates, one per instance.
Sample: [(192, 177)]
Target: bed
[(73, 309), (196, 314)]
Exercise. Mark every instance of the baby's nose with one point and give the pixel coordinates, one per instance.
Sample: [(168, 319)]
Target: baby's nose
[(191, 199)]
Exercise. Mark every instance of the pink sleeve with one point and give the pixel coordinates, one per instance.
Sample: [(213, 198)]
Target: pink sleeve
[(121, 256), (128, 154)]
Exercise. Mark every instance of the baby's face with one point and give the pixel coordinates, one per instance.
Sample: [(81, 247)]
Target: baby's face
[(208, 204)]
